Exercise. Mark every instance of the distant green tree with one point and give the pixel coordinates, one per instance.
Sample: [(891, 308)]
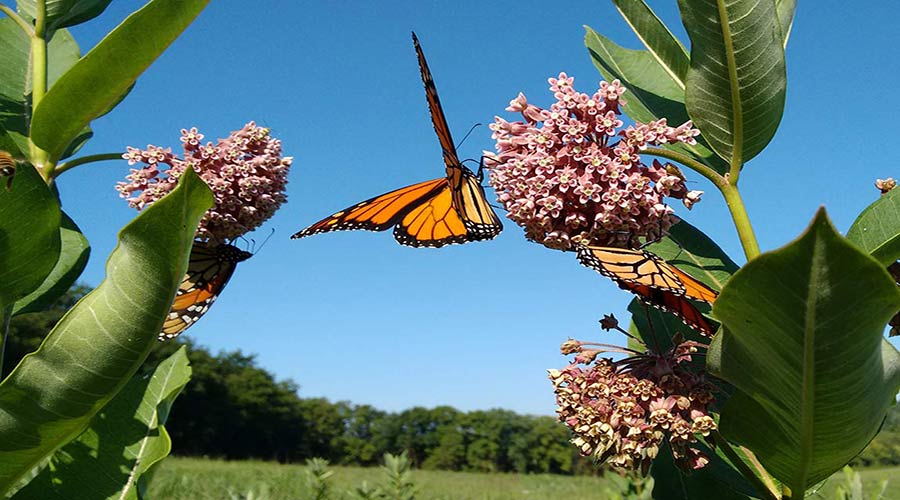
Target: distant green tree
[(366, 436), (489, 434), (450, 452), (542, 448), (323, 424)]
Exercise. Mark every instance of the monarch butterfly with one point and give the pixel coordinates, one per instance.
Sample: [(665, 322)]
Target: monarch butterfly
[(452, 209), (209, 269), (653, 280)]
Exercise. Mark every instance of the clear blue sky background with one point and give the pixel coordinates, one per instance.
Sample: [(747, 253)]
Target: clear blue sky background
[(355, 316)]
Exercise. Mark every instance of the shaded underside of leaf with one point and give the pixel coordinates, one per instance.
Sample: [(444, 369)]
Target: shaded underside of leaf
[(73, 257), (29, 234), (62, 13), (803, 346), (717, 480), (51, 396), (695, 253)]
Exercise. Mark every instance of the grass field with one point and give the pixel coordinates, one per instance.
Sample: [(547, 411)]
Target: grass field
[(198, 479)]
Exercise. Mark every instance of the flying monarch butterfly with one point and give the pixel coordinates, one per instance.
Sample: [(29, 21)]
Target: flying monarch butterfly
[(209, 269), (654, 281), (452, 209)]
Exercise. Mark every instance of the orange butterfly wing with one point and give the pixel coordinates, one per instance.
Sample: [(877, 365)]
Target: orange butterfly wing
[(672, 303), (693, 288), (631, 266), (378, 213), (209, 270), (438, 119), (654, 281)]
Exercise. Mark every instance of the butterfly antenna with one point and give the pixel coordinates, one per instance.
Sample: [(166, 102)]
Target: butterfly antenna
[(261, 245), (467, 135)]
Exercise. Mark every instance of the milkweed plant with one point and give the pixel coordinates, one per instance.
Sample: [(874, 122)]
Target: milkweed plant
[(798, 377), (795, 382), (75, 420)]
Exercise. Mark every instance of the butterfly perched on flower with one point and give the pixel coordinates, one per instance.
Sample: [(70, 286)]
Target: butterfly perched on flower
[(209, 269), (654, 281), (451, 209)]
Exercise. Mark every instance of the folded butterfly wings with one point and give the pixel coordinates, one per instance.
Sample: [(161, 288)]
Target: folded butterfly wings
[(209, 270), (653, 281)]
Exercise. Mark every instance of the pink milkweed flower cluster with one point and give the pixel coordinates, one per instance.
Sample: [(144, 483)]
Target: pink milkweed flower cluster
[(621, 411), (562, 176), (245, 171)]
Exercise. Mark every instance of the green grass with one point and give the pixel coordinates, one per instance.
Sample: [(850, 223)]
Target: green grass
[(871, 480), (199, 479)]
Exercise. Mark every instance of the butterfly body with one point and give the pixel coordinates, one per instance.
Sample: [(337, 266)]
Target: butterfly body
[(451, 209), (654, 281), (209, 269)]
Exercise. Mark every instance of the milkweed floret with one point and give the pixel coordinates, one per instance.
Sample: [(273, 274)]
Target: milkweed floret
[(885, 185), (620, 412), (563, 178), (245, 171)]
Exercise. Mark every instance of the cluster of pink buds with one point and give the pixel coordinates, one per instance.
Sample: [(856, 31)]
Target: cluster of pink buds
[(245, 171), (620, 412), (561, 175)]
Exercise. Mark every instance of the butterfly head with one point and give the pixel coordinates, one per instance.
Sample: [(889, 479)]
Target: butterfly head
[(231, 253)]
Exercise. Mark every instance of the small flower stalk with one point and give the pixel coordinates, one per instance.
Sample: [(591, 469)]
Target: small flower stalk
[(620, 412), (245, 171), (572, 175)]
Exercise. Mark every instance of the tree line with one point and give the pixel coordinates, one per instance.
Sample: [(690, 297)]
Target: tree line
[(234, 409)]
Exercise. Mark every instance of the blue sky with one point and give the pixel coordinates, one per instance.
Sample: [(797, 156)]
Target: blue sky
[(355, 316)]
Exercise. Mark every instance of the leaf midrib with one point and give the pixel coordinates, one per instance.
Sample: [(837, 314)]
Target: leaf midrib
[(808, 377), (153, 420)]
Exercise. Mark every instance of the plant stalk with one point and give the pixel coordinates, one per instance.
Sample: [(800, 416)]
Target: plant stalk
[(18, 19), (766, 487), (39, 158), (741, 220), (725, 184), (713, 176), (6, 314), (83, 160)]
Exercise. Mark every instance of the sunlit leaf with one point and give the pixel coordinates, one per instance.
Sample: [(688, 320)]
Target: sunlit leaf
[(656, 37), (877, 228), (785, 10), (652, 94), (104, 74), (15, 80), (736, 83), (124, 441), (54, 392), (803, 346)]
